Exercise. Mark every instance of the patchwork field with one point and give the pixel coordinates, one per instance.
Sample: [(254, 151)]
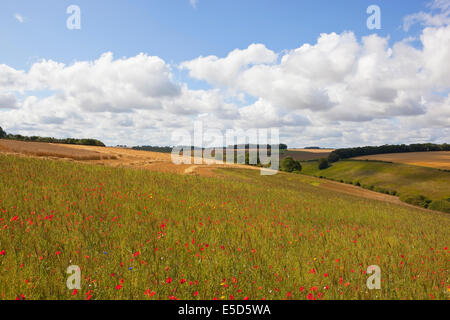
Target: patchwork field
[(138, 234), (437, 159), (411, 183)]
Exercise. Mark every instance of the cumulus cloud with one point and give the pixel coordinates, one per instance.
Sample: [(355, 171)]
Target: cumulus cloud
[(336, 92), (102, 97), (8, 101), (223, 71), (338, 77)]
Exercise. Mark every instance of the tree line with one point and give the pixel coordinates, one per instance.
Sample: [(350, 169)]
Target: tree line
[(347, 153), (86, 142), (154, 149), (247, 146)]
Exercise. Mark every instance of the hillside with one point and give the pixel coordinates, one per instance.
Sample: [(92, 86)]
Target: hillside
[(432, 159), (408, 182), (138, 234)]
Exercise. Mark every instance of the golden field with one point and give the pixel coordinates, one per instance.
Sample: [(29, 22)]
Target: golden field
[(434, 159)]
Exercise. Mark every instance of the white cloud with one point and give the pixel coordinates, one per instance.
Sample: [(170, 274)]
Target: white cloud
[(19, 17), (193, 3), (339, 91), (439, 15), (222, 71), (8, 101)]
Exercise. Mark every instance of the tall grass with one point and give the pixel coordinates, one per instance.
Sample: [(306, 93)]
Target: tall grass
[(146, 235)]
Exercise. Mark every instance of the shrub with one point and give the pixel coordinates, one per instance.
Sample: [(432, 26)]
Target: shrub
[(290, 165), (333, 157), (323, 164), (416, 200), (440, 205)]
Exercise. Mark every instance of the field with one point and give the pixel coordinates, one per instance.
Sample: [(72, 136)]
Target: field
[(138, 234), (312, 150), (106, 156), (437, 159), (408, 182), (41, 149), (305, 154)]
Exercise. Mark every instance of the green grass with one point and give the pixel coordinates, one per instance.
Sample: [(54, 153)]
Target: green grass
[(145, 235), (409, 182)]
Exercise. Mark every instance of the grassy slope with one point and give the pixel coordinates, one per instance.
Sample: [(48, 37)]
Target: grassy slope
[(137, 234), (405, 179)]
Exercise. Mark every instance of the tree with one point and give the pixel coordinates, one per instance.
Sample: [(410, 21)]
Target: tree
[(2, 133), (333, 157), (323, 164), (290, 165)]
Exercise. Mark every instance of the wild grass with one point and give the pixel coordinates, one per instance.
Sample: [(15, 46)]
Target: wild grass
[(145, 235)]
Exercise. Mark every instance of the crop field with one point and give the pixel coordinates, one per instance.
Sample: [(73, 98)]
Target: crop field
[(138, 234), (41, 149), (408, 182), (436, 159), (110, 156)]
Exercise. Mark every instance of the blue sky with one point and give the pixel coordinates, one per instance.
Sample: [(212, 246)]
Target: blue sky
[(311, 68), (175, 31)]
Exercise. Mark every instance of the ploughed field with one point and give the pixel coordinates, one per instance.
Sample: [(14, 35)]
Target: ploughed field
[(305, 154), (138, 234)]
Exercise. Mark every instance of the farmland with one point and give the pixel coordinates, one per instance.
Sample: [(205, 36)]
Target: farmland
[(408, 182), (138, 234), (41, 149), (305, 154), (436, 159)]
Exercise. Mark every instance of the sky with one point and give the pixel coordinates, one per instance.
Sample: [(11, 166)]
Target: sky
[(133, 72)]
